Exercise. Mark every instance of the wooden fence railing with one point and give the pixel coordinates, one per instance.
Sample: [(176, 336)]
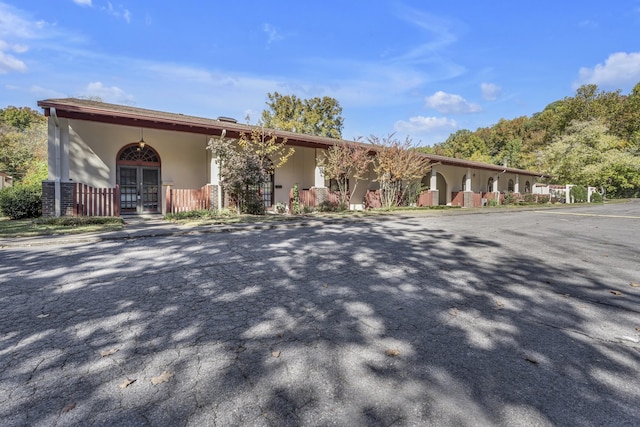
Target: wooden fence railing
[(309, 198), (184, 200), (91, 201)]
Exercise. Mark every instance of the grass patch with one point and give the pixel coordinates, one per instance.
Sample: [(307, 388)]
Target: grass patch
[(63, 225), (205, 217)]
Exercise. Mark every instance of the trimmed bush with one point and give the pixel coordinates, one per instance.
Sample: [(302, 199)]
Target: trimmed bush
[(509, 198), (21, 202), (596, 198), (579, 194)]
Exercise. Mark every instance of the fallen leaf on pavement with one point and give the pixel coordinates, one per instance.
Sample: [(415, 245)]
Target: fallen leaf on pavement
[(162, 378), (42, 316), (616, 292), (453, 311), (105, 353), (392, 352), (638, 328), (531, 359), (126, 383), (68, 408), (275, 354), (635, 285), (500, 304)]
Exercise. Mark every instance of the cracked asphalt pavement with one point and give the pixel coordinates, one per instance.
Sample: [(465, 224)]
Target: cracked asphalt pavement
[(511, 318)]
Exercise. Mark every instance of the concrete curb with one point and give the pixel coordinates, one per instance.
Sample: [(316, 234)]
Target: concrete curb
[(145, 229)]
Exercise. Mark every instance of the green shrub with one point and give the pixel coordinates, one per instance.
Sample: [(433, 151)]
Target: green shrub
[(253, 204), (21, 202), (492, 202), (596, 198), (509, 198), (544, 199), (579, 194), (328, 206)]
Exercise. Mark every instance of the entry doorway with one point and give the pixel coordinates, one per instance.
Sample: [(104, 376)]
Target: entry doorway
[(139, 189), (139, 179), (441, 183)]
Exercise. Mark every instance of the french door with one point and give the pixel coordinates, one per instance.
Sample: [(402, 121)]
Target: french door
[(139, 189)]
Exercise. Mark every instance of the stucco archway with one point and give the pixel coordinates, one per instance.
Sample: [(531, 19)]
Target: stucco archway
[(443, 190)]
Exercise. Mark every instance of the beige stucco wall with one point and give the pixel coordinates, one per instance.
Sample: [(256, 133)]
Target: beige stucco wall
[(299, 169), (93, 148)]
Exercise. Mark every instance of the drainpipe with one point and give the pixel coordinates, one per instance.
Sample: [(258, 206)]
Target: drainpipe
[(58, 164)]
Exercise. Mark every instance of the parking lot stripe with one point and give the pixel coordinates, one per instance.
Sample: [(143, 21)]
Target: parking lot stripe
[(586, 214)]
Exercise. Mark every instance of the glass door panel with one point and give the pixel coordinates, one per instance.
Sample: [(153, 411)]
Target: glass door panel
[(128, 189), (150, 190)]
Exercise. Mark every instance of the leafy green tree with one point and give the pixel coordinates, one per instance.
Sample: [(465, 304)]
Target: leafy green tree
[(464, 144), (21, 149), (19, 118), (587, 154), (346, 161), (315, 116)]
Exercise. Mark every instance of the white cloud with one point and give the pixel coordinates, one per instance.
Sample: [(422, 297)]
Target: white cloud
[(490, 91), (83, 2), (120, 12), (10, 63), (421, 125), (272, 33), (618, 71), (108, 94), (449, 103)]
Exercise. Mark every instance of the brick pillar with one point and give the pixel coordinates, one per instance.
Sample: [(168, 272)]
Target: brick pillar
[(48, 198), (321, 195), (435, 197), (467, 199), (213, 197)]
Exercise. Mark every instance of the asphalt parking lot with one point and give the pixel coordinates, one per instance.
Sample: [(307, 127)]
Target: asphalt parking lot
[(513, 318)]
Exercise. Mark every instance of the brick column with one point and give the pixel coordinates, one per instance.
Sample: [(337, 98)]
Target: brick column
[(435, 197), (467, 199), (48, 199), (213, 196)]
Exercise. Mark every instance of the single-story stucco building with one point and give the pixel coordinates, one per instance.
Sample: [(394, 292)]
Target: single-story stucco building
[(107, 159)]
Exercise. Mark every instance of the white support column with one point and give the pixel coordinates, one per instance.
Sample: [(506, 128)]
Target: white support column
[(567, 193), (516, 187), (58, 144), (495, 183), (433, 182), (319, 172), (467, 184)]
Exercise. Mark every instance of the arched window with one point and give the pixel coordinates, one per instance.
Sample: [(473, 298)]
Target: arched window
[(490, 185), (510, 187), (134, 155), (527, 187), (464, 182)]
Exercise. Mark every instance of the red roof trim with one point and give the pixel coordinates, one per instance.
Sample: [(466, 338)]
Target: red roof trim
[(82, 109)]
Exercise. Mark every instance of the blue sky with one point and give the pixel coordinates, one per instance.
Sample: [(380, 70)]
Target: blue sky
[(418, 68)]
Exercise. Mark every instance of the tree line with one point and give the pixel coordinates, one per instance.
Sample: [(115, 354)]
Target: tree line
[(589, 139), (23, 145)]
